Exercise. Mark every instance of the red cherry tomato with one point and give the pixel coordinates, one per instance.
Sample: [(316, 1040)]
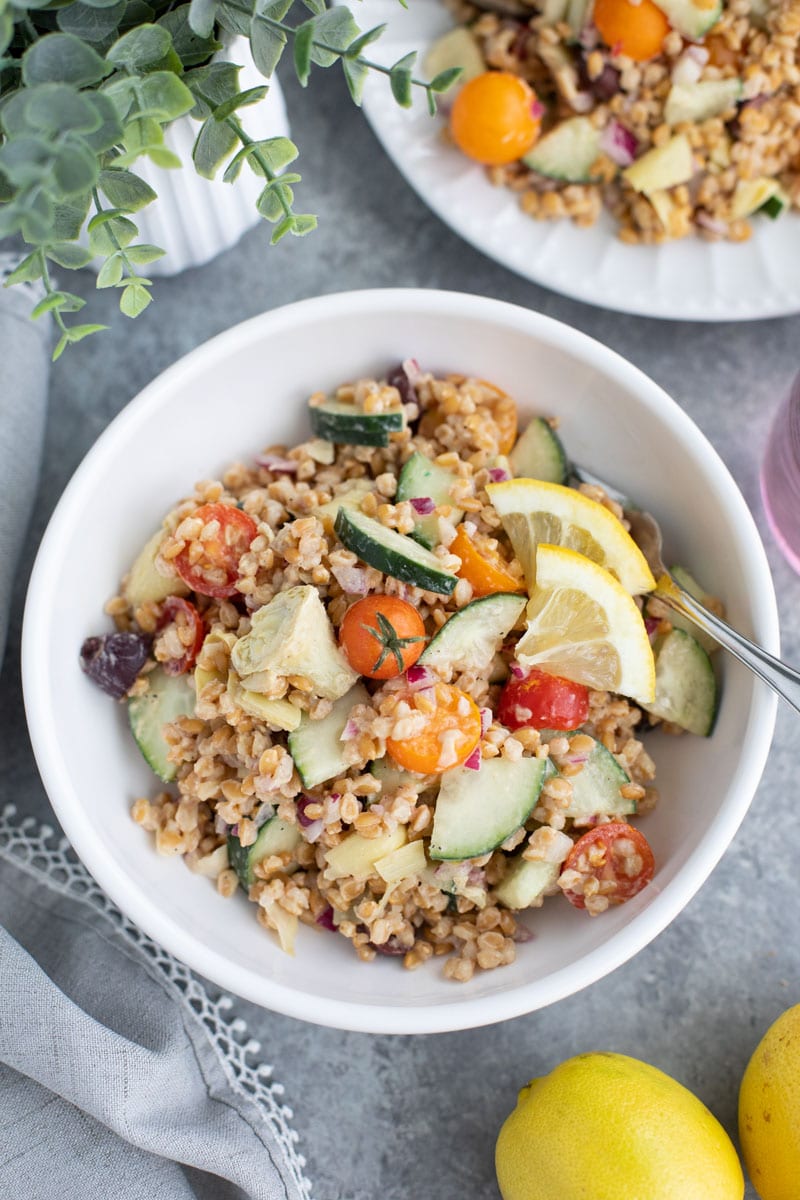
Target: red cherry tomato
[(191, 631), (213, 570), (617, 856), (542, 701)]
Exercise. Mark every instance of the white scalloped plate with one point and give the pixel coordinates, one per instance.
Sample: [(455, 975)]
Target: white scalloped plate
[(684, 280)]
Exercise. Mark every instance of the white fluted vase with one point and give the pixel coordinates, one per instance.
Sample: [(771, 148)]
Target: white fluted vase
[(194, 219)]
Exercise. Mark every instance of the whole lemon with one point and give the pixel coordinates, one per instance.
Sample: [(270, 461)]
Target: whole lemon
[(769, 1110), (604, 1126)]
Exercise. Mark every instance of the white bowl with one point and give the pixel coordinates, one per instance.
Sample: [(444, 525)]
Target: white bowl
[(249, 387)]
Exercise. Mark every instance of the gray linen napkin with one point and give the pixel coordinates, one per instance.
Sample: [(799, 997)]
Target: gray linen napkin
[(120, 1077)]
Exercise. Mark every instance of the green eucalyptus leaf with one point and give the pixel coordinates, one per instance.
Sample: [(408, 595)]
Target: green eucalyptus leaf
[(100, 3), (141, 49), (122, 93), (138, 12), (69, 255), (445, 79), (365, 39), (304, 223), (356, 75), (163, 96), (431, 101), (37, 221), (68, 219), (75, 334), (89, 23), (241, 100), (303, 45), (214, 143), (57, 108), (267, 46), (269, 205), (211, 86), (6, 190), (144, 253), (62, 301), (400, 79), (281, 229), (75, 168), (29, 270), (277, 152), (13, 114), (134, 299), (11, 217), (110, 273), (233, 21), (192, 48), (112, 235), (109, 132), (63, 58), (202, 15), (6, 30), (125, 190), (337, 29), (61, 346), (26, 160), (315, 6)]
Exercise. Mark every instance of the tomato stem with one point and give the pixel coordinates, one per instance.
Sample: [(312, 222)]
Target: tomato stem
[(390, 643)]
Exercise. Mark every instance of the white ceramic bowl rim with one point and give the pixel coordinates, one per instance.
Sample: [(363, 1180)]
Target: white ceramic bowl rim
[(155, 921)]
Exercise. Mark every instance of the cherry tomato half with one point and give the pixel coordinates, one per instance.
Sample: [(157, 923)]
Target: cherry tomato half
[(486, 574), (451, 733), (382, 636), (637, 30), (212, 569), (617, 856), (495, 118), (191, 633), (542, 701)]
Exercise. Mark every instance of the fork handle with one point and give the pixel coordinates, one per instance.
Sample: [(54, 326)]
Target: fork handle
[(783, 679)]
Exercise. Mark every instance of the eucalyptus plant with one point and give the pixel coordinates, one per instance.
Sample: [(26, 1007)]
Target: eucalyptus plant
[(87, 88)]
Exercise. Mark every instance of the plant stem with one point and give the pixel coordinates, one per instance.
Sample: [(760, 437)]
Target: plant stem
[(126, 262), (49, 289), (270, 175)]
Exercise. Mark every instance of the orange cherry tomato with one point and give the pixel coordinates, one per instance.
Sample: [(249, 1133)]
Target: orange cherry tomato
[(213, 569), (617, 856), (495, 118), (382, 636), (487, 575), (636, 30), (452, 731)]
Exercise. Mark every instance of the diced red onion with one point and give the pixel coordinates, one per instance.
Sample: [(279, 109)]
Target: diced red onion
[(651, 624), (350, 731), (413, 370), (688, 68), (711, 224), (220, 825), (235, 831), (486, 719), (537, 110), (313, 831), (301, 805), (423, 505), (577, 759), (419, 678), (499, 474), (522, 934), (476, 877), (473, 763), (352, 580), (618, 143), (277, 464), (325, 919), (517, 671)]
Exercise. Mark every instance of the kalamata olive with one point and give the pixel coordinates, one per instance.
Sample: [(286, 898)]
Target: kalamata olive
[(392, 947), (604, 86), (113, 660), (398, 378)]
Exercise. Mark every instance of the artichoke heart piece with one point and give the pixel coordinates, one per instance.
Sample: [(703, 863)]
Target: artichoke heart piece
[(292, 635)]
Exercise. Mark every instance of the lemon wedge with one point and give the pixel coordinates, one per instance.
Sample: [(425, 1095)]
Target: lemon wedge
[(583, 625), (533, 511)]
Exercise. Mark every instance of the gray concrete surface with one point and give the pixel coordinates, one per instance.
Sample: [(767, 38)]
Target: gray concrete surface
[(385, 1118)]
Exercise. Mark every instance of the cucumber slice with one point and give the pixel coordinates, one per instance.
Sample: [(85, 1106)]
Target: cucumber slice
[(678, 621), (751, 195), (477, 810), (696, 102), (691, 19), (456, 48), (473, 635), (776, 205), (317, 747), (595, 789), (168, 697), (539, 454), (392, 777), (567, 152), (525, 884), (420, 477), (144, 583), (350, 497), (392, 552), (275, 837), (336, 422), (686, 690)]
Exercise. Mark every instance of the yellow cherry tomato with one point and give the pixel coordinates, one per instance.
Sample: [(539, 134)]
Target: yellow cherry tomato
[(487, 575), (495, 118), (636, 30), (451, 733)]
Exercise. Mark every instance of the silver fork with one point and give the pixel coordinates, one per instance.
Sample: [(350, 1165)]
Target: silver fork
[(646, 532)]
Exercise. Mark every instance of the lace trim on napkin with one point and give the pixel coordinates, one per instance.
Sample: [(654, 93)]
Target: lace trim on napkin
[(39, 851)]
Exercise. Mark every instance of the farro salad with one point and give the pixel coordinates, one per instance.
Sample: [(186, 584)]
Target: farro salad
[(395, 677), (677, 116)]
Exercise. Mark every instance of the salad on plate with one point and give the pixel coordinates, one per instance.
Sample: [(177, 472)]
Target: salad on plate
[(396, 679)]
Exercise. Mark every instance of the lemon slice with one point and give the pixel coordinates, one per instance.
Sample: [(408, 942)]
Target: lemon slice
[(582, 624), (533, 511)]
